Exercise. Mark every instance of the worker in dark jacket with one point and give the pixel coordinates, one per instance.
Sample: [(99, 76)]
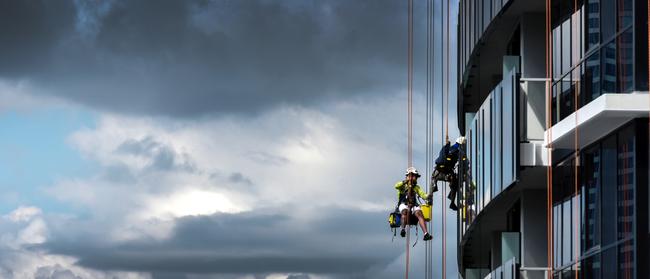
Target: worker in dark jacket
[(445, 164), (408, 203)]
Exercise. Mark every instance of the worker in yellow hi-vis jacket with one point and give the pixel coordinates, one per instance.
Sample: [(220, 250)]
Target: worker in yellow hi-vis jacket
[(408, 203)]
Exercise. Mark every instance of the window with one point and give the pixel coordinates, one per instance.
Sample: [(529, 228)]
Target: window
[(497, 133), (592, 78), (608, 191), (608, 19), (591, 267), (487, 9), (625, 63), (593, 23), (609, 63), (487, 152), (625, 212), (606, 205), (590, 173)]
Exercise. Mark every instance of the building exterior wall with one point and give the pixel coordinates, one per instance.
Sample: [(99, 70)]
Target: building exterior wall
[(600, 209)]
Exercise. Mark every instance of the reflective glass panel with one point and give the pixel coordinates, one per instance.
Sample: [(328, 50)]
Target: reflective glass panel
[(625, 62), (591, 183), (593, 23)]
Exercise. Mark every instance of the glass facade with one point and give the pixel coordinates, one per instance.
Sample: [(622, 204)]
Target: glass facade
[(594, 216), (492, 140), (592, 52), (476, 16)]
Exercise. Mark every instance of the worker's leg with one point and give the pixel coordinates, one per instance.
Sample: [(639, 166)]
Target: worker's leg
[(421, 221), (434, 180), (405, 214), (453, 187), (423, 224)]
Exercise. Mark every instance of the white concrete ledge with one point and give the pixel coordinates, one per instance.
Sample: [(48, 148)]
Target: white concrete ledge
[(597, 119), (533, 154)]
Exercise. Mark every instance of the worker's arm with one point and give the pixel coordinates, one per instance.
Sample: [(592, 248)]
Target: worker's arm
[(398, 188), (421, 192), (442, 156)]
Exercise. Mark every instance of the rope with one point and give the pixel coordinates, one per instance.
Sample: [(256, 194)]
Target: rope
[(430, 119), (576, 94), (549, 169), (410, 121), (408, 246), (446, 119), (447, 84), (410, 83), (428, 247)]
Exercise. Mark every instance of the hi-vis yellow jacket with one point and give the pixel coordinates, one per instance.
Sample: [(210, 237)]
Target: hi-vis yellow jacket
[(401, 191)]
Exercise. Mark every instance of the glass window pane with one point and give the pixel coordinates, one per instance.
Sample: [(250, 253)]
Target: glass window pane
[(496, 141), (554, 102), (591, 267), (609, 263), (624, 13), (566, 99), (608, 191), (487, 5), (592, 78), (626, 259), (609, 64), (593, 23), (557, 53), (625, 212), (608, 19), (591, 182), (566, 232), (566, 46), (557, 256), (509, 134), (625, 62), (576, 37), (481, 158), (487, 152)]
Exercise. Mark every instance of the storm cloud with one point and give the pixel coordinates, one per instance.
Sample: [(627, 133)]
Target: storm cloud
[(260, 242), (190, 58)]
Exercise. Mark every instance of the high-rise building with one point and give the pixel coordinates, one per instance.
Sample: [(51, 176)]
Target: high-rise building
[(574, 125)]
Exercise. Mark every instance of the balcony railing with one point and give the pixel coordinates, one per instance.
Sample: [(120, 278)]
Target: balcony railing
[(604, 70)]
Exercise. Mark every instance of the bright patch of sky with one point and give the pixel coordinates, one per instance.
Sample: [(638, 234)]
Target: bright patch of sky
[(35, 153)]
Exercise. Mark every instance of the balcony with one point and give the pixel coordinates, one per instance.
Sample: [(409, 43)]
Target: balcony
[(596, 119)]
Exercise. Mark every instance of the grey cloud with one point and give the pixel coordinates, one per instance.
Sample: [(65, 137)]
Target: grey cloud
[(237, 177), (54, 272), (266, 158), (118, 173), (189, 58), (247, 243), (162, 157)]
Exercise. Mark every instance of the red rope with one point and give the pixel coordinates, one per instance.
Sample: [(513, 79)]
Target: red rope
[(410, 122), (408, 244), (576, 94), (549, 137)]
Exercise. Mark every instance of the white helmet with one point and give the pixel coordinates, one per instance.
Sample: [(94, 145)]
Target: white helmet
[(413, 171), (461, 140)]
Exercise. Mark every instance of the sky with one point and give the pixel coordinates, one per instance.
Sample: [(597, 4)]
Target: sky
[(210, 139)]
